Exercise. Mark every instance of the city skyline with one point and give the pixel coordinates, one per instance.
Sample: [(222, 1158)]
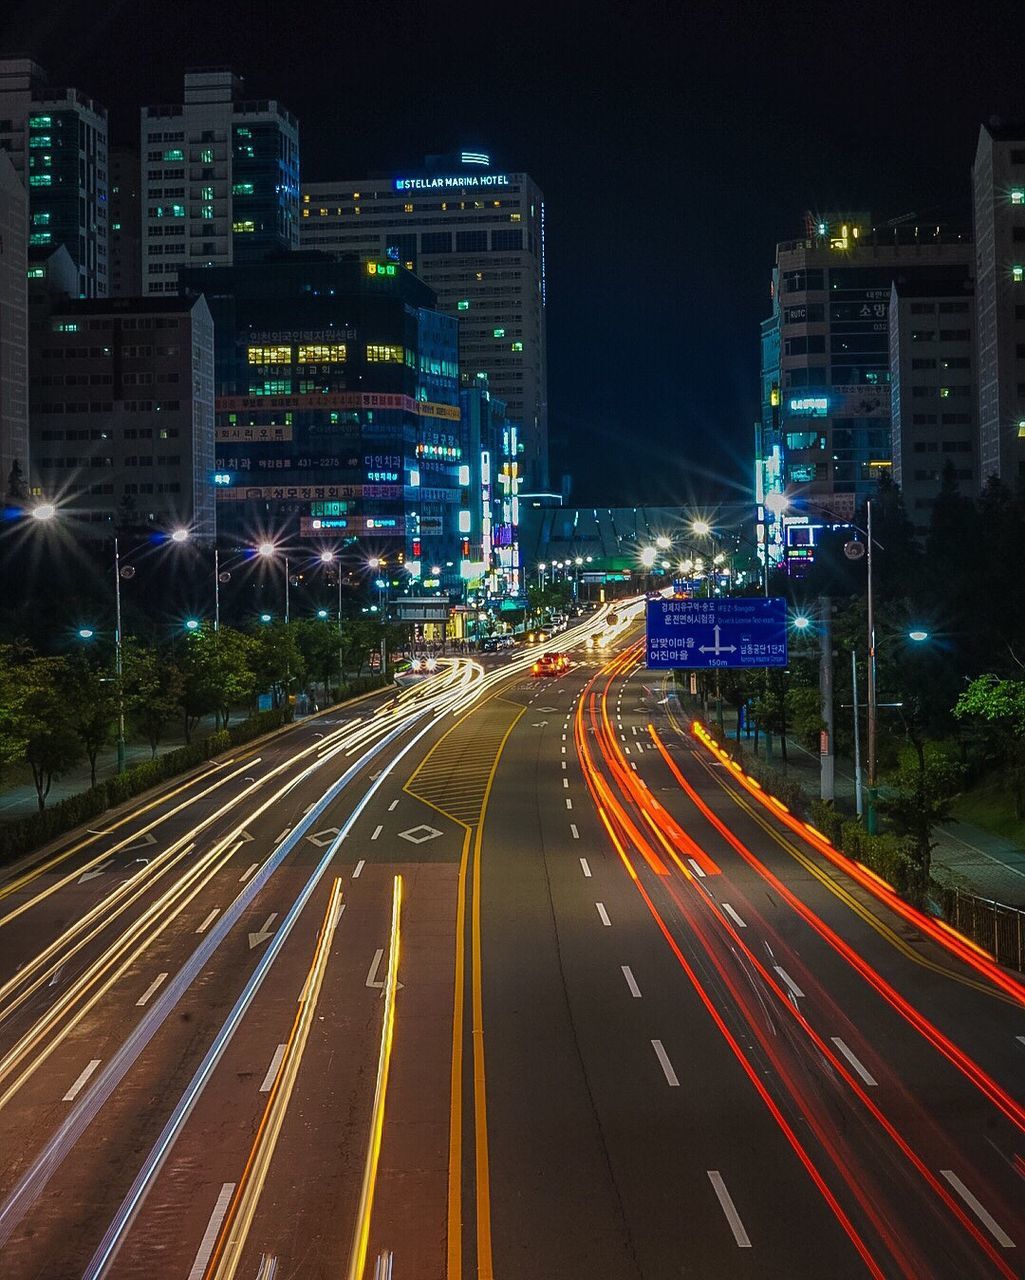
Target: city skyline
[(671, 139)]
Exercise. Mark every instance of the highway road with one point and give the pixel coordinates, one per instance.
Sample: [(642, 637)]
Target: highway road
[(504, 976)]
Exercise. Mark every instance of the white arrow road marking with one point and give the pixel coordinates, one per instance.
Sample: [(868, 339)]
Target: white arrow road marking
[(858, 1066), (372, 978), (272, 1070), (256, 938), (539, 724), (143, 999), (147, 838), (244, 835), (322, 838), (96, 871), (206, 1245), (77, 1087), (729, 1209)]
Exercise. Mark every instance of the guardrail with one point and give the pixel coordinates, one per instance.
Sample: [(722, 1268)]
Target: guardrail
[(998, 928)]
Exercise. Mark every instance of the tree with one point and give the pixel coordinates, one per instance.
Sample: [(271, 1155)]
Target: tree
[(924, 788), (320, 644), (17, 489), (153, 692), (998, 708), (12, 737), (91, 699), (276, 660), (45, 722)]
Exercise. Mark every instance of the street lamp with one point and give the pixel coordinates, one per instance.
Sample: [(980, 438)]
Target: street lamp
[(85, 633), (801, 622), (662, 542), (918, 635), (44, 511), (180, 535), (648, 557), (267, 551), (192, 624)]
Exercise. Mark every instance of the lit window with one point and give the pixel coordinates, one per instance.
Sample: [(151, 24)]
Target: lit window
[(206, 193), (944, 393), (35, 273), (40, 180), (246, 225), (40, 140), (41, 237), (1018, 196), (65, 326), (115, 226), (463, 304), (271, 387), (517, 346), (242, 132), (206, 156), (206, 211), (407, 208), (464, 475), (174, 154), (1021, 428), (270, 355), (498, 333), (40, 219), (322, 353), (1018, 274), (246, 189), (464, 522), (378, 353), (40, 122), (515, 217)]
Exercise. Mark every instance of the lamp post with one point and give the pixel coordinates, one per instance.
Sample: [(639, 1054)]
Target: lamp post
[(268, 550), (873, 710)]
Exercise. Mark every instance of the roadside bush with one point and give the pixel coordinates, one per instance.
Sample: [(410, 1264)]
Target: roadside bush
[(25, 834)]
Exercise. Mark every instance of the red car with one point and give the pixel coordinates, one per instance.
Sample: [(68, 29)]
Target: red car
[(547, 665)]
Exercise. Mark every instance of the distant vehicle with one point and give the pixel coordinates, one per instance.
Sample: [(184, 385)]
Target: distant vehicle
[(547, 665), (507, 642), (423, 665), (536, 637), (490, 644)]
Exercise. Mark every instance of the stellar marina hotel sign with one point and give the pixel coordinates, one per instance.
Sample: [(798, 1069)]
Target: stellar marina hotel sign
[(467, 180)]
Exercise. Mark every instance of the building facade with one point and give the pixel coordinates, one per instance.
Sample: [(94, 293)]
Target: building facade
[(57, 140), (491, 496), (826, 358), (998, 187), (122, 412), (932, 386), (125, 223), (220, 180), (476, 235), (14, 437), (338, 417)]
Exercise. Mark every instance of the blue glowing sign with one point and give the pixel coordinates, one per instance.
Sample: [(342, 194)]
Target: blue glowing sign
[(749, 632), (222, 479), (460, 180), (812, 406)]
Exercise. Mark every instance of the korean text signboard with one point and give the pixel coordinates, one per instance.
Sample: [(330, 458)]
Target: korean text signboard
[(750, 632)]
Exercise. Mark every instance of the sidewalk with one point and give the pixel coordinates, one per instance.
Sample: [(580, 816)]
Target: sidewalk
[(19, 799), (965, 854)]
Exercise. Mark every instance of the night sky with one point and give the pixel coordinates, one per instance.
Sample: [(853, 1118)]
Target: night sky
[(675, 144)]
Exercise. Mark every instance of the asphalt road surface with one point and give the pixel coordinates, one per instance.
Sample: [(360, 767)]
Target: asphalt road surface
[(497, 975)]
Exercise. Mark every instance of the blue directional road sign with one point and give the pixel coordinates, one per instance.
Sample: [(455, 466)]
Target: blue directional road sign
[(749, 632)]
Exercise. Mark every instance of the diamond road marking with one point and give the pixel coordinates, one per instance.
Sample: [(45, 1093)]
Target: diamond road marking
[(321, 838), (414, 837)]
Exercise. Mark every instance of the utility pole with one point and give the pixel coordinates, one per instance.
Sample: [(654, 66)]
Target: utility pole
[(118, 661), (826, 744), (871, 790), (859, 805)]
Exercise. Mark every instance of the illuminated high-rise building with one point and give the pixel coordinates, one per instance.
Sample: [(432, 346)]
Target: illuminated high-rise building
[(13, 329), (57, 140), (998, 181), (476, 235), (220, 179)]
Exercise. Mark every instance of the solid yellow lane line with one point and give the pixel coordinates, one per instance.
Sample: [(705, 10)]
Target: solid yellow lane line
[(454, 1235), (480, 1112), (227, 1252), (361, 1231)]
